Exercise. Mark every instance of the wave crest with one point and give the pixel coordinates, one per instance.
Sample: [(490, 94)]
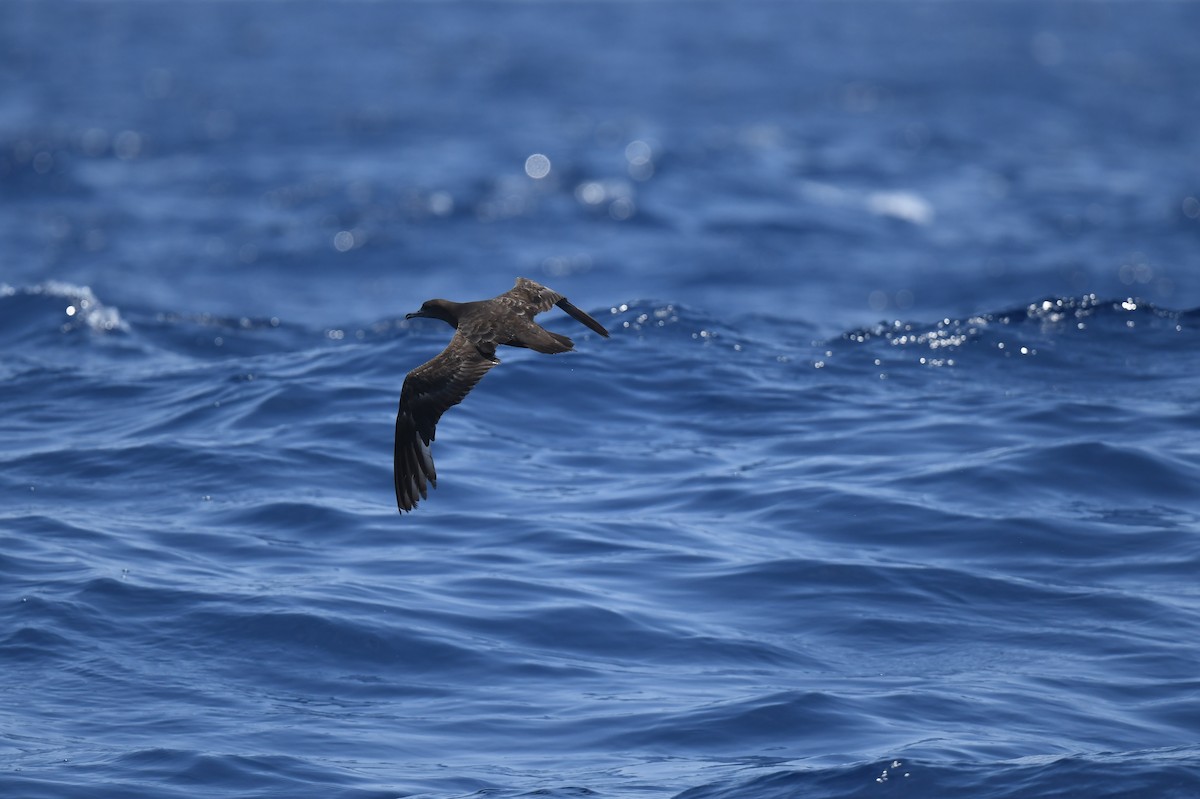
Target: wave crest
[(71, 306)]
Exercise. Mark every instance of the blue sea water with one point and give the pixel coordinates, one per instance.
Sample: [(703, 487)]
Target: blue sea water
[(886, 483)]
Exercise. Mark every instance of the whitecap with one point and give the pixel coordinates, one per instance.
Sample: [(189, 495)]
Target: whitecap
[(82, 307), (903, 205)]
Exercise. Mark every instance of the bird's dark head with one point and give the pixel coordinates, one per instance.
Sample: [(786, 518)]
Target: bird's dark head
[(438, 309)]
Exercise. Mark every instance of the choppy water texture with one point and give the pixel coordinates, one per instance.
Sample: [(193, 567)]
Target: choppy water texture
[(758, 544)]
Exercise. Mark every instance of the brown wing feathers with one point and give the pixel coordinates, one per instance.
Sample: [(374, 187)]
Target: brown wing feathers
[(429, 390)]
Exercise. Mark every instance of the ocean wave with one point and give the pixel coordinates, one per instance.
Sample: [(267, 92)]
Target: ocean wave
[(1160, 773), (1049, 330), (688, 542), (68, 307)]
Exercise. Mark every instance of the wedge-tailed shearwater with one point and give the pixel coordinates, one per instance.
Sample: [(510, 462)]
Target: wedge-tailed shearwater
[(433, 387)]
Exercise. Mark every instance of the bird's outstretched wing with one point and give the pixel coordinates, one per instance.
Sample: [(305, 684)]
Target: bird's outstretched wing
[(529, 299), (429, 390)]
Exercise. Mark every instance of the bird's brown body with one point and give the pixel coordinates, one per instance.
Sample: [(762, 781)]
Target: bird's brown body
[(432, 388)]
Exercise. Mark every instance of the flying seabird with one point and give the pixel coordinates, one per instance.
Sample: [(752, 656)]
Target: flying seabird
[(433, 387)]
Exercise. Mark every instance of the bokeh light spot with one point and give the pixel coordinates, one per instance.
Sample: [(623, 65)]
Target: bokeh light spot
[(127, 145), (537, 166)]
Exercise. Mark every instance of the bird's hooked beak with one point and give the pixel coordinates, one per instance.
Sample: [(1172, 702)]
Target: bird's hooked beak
[(436, 309)]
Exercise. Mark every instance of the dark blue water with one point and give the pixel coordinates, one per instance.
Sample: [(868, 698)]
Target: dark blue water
[(886, 483)]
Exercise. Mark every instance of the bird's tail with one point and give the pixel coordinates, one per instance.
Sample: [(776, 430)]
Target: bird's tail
[(582, 317)]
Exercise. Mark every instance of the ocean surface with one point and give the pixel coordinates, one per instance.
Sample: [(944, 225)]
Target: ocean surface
[(887, 483)]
